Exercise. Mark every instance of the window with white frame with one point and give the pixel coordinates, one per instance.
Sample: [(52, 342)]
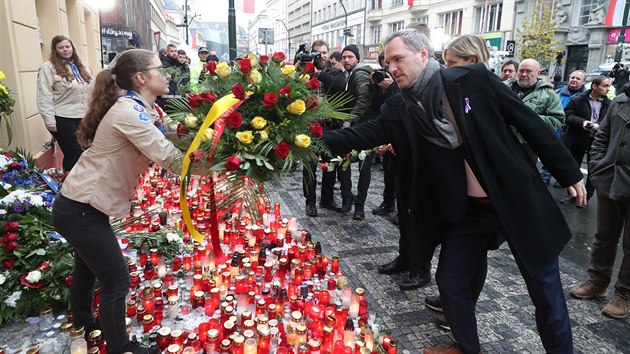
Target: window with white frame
[(397, 2), (396, 26), (488, 18), (451, 22), (585, 11), (376, 33), (421, 19), (376, 4)]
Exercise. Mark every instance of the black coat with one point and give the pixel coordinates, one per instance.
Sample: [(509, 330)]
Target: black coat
[(577, 111), (433, 179)]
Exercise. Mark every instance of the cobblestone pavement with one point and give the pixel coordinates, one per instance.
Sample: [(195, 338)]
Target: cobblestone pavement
[(505, 314)]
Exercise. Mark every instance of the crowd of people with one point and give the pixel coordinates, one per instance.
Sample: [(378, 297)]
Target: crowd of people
[(459, 148)]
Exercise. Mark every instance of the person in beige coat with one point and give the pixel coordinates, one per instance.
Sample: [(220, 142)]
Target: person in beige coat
[(120, 139), (63, 86)]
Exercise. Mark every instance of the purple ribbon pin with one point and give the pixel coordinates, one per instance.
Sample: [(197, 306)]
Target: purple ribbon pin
[(467, 107)]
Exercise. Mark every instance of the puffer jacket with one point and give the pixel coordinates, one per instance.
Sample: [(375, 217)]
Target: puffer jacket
[(358, 86), (609, 167)]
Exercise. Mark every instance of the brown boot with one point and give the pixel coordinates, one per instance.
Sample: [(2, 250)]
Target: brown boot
[(587, 290), (617, 307)]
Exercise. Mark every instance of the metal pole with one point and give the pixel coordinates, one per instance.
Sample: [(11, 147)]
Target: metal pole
[(345, 30), (186, 19), (288, 38), (232, 30), (622, 33)]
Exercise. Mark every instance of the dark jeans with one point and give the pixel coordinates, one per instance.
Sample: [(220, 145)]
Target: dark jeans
[(461, 275), (365, 176), (66, 136), (309, 184), (97, 255), (613, 221), (389, 178)]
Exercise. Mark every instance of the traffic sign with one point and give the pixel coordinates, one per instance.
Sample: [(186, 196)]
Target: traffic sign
[(510, 47)]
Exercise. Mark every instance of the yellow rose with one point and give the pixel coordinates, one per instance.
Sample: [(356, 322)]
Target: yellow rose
[(224, 69), (191, 121), (259, 122), (3, 89), (297, 107), (207, 134), (253, 59), (302, 140), (2, 75), (255, 77), (263, 135), (288, 70), (305, 77), (245, 137)]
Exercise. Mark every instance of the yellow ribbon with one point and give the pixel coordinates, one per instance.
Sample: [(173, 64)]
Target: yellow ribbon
[(225, 105)]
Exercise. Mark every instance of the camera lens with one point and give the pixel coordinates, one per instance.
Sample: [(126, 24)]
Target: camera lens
[(378, 76)]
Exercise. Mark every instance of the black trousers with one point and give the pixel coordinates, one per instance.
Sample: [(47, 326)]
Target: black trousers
[(97, 255), (462, 272), (66, 136), (309, 184), (389, 178), (365, 176)]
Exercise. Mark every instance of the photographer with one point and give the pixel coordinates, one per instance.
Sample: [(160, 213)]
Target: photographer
[(332, 82), (584, 114), (619, 74)]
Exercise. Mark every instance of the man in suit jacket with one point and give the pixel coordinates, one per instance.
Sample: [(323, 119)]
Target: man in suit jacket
[(467, 179)]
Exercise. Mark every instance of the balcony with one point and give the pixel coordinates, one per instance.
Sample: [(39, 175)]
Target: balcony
[(419, 6), (375, 15)]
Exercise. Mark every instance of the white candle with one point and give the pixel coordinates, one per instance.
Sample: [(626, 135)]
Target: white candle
[(250, 346)]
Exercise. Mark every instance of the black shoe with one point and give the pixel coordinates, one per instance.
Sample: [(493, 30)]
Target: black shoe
[(330, 205), (441, 322), (359, 211), (568, 199), (433, 302), (347, 205), (384, 208), (398, 265), (135, 348), (395, 220), (311, 210), (415, 281)]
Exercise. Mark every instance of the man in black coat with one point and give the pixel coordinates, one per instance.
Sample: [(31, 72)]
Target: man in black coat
[(467, 179), (584, 114)]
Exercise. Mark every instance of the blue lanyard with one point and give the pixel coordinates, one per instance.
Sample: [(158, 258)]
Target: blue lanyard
[(134, 96), (77, 73)]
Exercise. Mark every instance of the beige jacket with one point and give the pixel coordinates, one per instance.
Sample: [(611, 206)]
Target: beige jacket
[(58, 97), (107, 172)]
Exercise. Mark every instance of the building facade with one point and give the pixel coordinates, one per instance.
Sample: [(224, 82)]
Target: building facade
[(26, 29)]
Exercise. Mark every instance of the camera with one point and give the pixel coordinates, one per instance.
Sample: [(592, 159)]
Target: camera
[(590, 128), (305, 56), (379, 75)]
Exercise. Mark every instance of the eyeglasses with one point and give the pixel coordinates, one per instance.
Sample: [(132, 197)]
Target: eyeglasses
[(161, 69)]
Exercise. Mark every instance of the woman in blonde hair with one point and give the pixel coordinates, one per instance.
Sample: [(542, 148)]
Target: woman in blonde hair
[(120, 140), (63, 85), (466, 49)]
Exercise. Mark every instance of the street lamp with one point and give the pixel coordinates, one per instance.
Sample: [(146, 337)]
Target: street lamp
[(622, 33), (346, 30), (186, 23), (288, 37)]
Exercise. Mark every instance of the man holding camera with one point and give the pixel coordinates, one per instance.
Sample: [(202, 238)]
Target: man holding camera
[(332, 81), (619, 74), (584, 114)]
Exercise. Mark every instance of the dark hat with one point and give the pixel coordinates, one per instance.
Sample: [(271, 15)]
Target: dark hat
[(203, 49), (354, 49)]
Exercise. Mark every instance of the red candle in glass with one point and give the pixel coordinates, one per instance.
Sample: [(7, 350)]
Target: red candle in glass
[(177, 337), (147, 323), (155, 255), (323, 268), (393, 347), (140, 312), (131, 308), (148, 300), (177, 263), (324, 298), (334, 264), (187, 266), (172, 290), (164, 338), (204, 327)]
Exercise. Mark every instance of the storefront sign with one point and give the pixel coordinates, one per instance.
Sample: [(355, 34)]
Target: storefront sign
[(116, 31), (613, 35)]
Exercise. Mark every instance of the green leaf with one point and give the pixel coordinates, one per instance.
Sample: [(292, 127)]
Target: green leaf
[(40, 252), (268, 165)]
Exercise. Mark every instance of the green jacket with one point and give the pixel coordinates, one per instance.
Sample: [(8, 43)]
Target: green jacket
[(358, 86), (545, 102)]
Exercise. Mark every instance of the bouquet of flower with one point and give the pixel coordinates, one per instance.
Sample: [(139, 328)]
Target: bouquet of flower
[(273, 125), (6, 106)]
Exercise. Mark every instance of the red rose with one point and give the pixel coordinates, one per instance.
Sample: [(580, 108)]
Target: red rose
[(282, 150), (11, 246), (211, 67), (285, 91), (182, 131), (68, 280), (323, 166), (194, 100), (238, 91), (10, 237), (208, 97), (14, 166), (309, 68), (313, 83), (263, 59), (233, 163), (316, 130), (45, 265), (8, 263), (234, 120), (246, 65), (312, 102), (25, 282), (269, 100), (278, 56), (196, 156), (11, 226)]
